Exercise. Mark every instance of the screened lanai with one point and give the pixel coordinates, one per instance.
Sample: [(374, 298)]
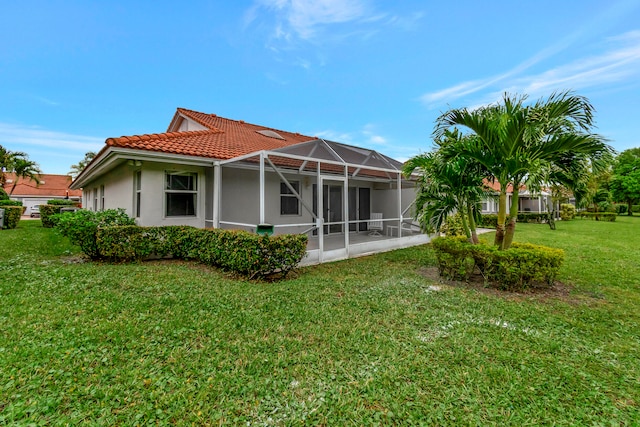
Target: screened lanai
[(349, 201)]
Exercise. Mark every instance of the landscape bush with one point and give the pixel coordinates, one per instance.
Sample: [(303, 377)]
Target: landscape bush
[(533, 217), (3, 194), (635, 208), (567, 211), (8, 202), (488, 221), (62, 202), (516, 268), (113, 236), (12, 214), (52, 208), (452, 226), (599, 216), (241, 252), (81, 227), (621, 208)]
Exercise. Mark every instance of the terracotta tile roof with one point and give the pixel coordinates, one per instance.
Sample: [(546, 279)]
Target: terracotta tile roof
[(226, 138), (51, 186)]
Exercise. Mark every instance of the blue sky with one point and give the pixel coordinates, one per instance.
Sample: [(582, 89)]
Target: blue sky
[(370, 73)]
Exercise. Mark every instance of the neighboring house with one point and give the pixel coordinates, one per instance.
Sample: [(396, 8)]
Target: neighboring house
[(528, 202), (208, 171), (51, 187)]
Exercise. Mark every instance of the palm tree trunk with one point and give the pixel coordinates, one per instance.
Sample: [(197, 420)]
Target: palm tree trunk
[(502, 216), (472, 225), (513, 217), (467, 233)]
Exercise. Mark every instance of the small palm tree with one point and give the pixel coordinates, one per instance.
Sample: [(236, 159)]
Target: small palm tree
[(515, 140), (24, 168), (447, 186), (79, 167)]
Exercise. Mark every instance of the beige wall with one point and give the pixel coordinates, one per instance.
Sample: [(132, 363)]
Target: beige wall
[(119, 193)]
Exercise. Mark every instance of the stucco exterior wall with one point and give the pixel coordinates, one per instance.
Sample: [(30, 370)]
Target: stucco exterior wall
[(119, 192)]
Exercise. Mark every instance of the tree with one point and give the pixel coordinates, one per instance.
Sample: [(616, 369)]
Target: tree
[(448, 184), (515, 140), (24, 168), (79, 167), (18, 163), (625, 183)]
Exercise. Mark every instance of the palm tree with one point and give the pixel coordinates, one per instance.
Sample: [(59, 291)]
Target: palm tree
[(79, 167), (24, 168), (515, 140), (447, 186)]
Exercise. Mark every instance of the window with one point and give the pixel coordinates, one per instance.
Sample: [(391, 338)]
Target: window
[(95, 199), (102, 197), (289, 203), (138, 187), (181, 193)]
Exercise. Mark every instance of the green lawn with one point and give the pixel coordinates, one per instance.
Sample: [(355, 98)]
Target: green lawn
[(360, 342)]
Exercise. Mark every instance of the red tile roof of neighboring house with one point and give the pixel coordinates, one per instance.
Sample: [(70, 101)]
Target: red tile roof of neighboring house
[(50, 186), (226, 138)]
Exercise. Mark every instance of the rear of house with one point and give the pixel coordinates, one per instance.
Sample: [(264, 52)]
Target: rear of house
[(208, 171)]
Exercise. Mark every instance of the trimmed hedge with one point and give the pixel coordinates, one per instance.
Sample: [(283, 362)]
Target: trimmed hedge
[(113, 236), (12, 216), (242, 252), (491, 220), (599, 216), (517, 268), (7, 202), (567, 211), (62, 202), (81, 227)]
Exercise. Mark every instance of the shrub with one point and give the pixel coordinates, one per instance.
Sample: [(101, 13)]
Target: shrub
[(62, 202), (599, 216), (488, 221), (567, 211), (3, 194), (81, 227), (533, 217), (7, 202), (452, 226), (238, 251), (12, 215), (620, 208), (513, 269), (635, 208)]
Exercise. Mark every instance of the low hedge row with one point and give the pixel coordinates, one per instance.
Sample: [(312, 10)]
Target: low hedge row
[(517, 268), (242, 252), (8, 202), (599, 216), (491, 220), (52, 208), (112, 235), (12, 216)]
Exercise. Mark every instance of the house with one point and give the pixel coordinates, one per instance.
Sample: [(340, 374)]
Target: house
[(528, 201), (50, 187), (211, 172)]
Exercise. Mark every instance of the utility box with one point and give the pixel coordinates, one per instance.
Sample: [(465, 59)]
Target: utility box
[(1, 219), (264, 229)]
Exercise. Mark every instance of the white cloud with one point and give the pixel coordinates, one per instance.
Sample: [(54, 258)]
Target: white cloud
[(24, 136), (303, 18), (618, 64)]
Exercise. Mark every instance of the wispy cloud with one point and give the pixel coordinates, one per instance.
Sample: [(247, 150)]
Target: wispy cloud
[(619, 62), (366, 137), (23, 137), (296, 24)]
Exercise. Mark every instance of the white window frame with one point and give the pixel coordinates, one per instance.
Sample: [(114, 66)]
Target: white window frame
[(137, 193), (288, 194), (193, 192), (95, 199), (102, 197)]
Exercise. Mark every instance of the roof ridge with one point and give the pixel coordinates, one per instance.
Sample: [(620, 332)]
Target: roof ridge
[(162, 135), (244, 122)]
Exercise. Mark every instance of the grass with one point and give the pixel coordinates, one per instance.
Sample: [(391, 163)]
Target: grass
[(361, 342)]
